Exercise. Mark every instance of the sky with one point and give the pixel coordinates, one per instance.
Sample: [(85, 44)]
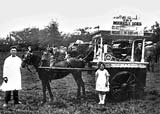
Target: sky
[(16, 15)]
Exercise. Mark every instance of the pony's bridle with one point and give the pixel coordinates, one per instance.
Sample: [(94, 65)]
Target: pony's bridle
[(27, 60)]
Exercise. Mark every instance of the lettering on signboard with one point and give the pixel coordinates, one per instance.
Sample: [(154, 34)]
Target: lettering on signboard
[(126, 25)]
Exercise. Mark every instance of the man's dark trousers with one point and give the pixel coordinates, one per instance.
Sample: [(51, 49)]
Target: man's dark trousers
[(8, 96)]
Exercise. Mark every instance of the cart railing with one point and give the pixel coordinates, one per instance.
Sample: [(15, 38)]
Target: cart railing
[(122, 64), (64, 68)]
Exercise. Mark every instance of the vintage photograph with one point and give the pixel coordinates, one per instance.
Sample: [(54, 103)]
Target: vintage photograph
[(79, 57)]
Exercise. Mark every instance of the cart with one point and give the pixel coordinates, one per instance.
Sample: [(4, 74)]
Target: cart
[(127, 76)]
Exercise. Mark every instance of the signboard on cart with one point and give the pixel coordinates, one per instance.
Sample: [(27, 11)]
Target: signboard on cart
[(126, 25)]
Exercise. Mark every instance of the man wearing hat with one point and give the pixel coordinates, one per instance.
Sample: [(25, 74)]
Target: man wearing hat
[(12, 77)]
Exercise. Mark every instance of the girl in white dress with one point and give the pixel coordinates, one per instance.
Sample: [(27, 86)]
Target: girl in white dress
[(102, 82)]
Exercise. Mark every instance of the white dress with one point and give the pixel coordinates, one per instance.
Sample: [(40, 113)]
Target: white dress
[(11, 70), (101, 80)]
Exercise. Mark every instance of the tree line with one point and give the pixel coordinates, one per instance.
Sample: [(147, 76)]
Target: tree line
[(51, 36), (41, 39)]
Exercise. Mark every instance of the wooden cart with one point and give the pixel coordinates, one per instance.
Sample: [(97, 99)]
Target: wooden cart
[(128, 76)]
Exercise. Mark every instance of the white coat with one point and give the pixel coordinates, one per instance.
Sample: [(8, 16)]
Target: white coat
[(12, 70)]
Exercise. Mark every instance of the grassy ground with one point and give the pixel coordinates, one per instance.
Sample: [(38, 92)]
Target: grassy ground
[(65, 102)]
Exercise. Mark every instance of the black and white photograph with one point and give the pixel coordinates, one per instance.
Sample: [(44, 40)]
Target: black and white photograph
[(79, 57)]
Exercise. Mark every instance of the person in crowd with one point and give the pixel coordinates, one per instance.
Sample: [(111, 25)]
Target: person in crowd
[(67, 57), (90, 55), (102, 82), (62, 54), (52, 59), (44, 59), (138, 52), (12, 77), (56, 53), (29, 49)]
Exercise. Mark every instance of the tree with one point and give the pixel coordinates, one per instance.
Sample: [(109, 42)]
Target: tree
[(156, 32), (26, 37), (50, 35)]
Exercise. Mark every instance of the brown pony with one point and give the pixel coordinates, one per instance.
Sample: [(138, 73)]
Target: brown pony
[(46, 75)]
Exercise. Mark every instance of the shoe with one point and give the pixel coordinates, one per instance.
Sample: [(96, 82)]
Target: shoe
[(5, 105), (100, 102)]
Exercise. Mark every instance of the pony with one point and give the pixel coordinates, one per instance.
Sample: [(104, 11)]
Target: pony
[(46, 75)]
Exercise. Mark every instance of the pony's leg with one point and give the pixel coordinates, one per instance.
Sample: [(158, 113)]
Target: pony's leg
[(76, 78), (44, 91), (82, 83), (49, 90)]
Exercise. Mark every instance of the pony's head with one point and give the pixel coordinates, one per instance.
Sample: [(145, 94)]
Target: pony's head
[(30, 59)]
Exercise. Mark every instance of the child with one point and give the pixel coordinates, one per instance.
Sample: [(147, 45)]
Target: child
[(102, 82)]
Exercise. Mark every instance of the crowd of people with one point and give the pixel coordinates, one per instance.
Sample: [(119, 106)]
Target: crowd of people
[(54, 54)]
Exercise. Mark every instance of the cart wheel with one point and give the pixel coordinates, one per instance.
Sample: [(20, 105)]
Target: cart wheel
[(123, 86)]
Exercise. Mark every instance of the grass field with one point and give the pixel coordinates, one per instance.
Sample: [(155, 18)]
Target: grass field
[(65, 102)]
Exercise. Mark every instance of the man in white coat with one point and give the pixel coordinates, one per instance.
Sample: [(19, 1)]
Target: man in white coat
[(12, 77)]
